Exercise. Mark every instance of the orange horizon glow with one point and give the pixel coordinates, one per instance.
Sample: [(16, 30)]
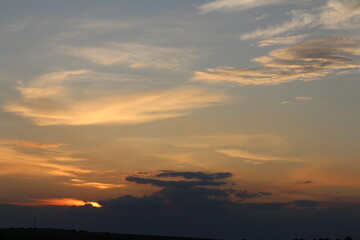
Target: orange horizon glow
[(57, 202)]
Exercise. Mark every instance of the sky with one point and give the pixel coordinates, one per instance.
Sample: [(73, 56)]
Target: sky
[(207, 118)]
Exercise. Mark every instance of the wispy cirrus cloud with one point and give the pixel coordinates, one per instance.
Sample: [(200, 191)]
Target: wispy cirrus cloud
[(305, 61), (300, 98), (134, 55), (44, 160), (51, 99), (39, 144), (288, 40), (299, 19), (236, 5), (82, 183), (252, 157), (335, 14)]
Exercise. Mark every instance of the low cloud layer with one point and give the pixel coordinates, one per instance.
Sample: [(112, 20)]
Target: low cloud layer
[(208, 212), (206, 179), (195, 175), (305, 61)]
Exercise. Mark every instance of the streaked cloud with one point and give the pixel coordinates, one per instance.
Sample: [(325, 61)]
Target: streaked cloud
[(236, 5), (38, 144), (335, 14), (216, 141), (134, 55), (287, 103), (305, 61), (261, 17), (40, 162), (296, 100), (91, 24), (304, 98), (299, 20), (81, 183), (51, 100), (245, 194), (251, 157), (288, 40), (194, 175)]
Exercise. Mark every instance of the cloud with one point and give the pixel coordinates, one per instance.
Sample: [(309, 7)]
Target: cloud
[(56, 202), (91, 24), (297, 99), (335, 14), (195, 175), (305, 61), (57, 98), (287, 103), (305, 182), (236, 5), (38, 144), (261, 17), (303, 204), (40, 161), (134, 55), (81, 183), (250, 156), (216, 141), (299, 20), (206, 212), (288, 40), (339, 14), (244, 194), (303, 98), (173, 184)]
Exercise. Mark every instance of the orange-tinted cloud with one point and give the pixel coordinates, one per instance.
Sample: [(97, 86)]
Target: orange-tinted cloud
[(49, 100), (305, 61), (98, 185), (38, 144), (42, 161), (57, 202)]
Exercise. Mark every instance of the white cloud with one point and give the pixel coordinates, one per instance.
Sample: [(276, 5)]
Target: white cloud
[(236, 5)]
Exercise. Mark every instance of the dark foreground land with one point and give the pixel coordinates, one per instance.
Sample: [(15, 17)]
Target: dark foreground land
[(59, 234)]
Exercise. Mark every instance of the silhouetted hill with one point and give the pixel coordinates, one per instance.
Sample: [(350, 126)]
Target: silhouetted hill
[(60, 234)]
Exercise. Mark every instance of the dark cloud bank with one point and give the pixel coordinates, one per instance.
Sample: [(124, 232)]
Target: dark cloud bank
[(199, 205)]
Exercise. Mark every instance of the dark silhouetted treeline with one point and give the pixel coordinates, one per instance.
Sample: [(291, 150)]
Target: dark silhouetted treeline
[(347, 238), (59, 234)]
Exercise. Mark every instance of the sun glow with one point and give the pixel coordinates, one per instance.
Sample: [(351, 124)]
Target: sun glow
[(57, 202)]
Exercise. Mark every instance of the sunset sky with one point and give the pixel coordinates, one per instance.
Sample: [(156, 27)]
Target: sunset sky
[(194, 112)]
